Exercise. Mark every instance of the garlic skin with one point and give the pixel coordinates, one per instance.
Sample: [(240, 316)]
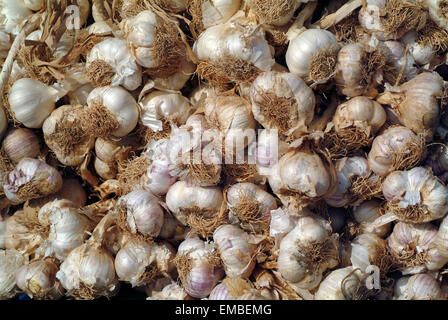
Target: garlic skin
[(73, 191), (366, 213), (10, 261), (220, 292), (159, 106), (182, 198), (139, 262), (359, 112), (394, 144), (121, 105), (144, 215), (38, 280), (20, 237), (89, 268), (417, 187), (418, 287), (32, 101), (68, 228), (369, 249), (115, 54), (269, 150), (288, 94), (235, 250), (295, 262), (80, 94), (200, 276), (31, 179), (99, 27), (241, 199), (34, 5), (12, 15), (416, 240), (173, 291), (282, 222), (21, 143), (2, 233), (437, 12), (347, 169), (339, 284), (177, 80), (104, 170), (214, 12), (304, 47), (422, 53)]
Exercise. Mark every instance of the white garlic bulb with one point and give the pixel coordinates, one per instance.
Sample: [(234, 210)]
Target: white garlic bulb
[(142, 213), (10, 261), (415, 195), (395, 148), (140, 262), (177, 80), (401, 62), (339, 284), (366, 213), (110, 62), (250, 206), (12, 15), (307, 251), (235, 250), (119, 104), (99, 27), (31, 179), (312, 55), (32, 101), (38, 280), (282, 101), (209, 13), (438, 12), (418, 287), (282, 222), (370, 250)]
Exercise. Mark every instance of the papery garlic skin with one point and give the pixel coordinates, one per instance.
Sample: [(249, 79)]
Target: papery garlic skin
[(388, 146), (417, 187), (80, 94), (89, 267), (214, 12), (10, 261), (21, 143), (366, 213), (418, 287), (303, 47), (294, 264), (135, 259), (339, 283), (31, 173), (12, 14), (395, 56), (144, 215), (38, 280), (182, 197), (158, 106), (422, 53), (368, 249), (116, 54), (68, 228), (235, 250), (177, 80), (347, 169), (32, 101), (272, 85), (99, 27), (120, 103), (282, 222)]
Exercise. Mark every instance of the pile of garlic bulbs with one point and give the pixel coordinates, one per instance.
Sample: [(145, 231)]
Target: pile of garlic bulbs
[(224, 149)]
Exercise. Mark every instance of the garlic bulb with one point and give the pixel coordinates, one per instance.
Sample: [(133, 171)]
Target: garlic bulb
[(117, 108), (99, 27), (140, 213), (369, 249), (208, 13), (400, 64), (31, 179), (21, 143), (418, 287), (366, 213), (250, 206), (414, 248), (282, 222), (396, 148), (348, 169), (233, 52), (32, 101), (232, 116), (38, 280), (438, 12), (154, 42), (197, 263), (339, 284), (73, 191), (159, 108), (282, 101), (10, 261), (421, 52), (235, 250), (68, 228), (177, 80), (416, 195), (173, 291), (198, 207), (63, 134), (307, 251), (269, 149), (418, 102), (12, 15), (437, 160), (140, 262), (274, 13), (88, 272), (357, 69), (312, 55), (110, 62)]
